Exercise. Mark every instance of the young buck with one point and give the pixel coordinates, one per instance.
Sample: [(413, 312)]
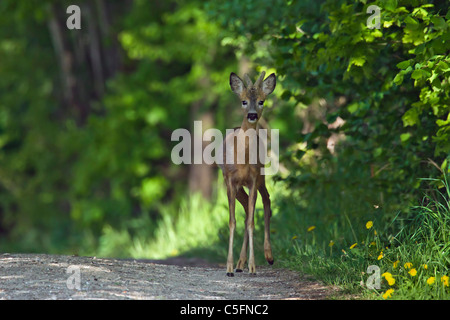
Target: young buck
[(247, 173)]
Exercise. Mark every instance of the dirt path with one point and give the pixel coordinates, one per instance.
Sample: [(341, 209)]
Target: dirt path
[(41, 276)]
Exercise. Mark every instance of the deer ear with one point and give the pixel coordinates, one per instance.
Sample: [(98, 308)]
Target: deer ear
[(236, 84), (269, 84)]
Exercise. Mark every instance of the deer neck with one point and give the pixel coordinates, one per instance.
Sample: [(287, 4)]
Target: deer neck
[(247, 125)]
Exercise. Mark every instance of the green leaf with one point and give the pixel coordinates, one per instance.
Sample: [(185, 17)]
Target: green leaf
[(353, 107), (443, 66), (434, 75), (390, 5), (410, 118), (411, 21), (359, 61), (444, 165), (442, 123), (418, 74), (398, 80), (387, 24), (405, 136), (404, 64), (439, 23)]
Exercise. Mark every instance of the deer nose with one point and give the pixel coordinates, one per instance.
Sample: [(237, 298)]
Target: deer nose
[(252, 116)]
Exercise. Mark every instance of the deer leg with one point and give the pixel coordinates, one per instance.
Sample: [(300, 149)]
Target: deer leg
[(243, 199), (267, 214), (231, 193), (251, 227)]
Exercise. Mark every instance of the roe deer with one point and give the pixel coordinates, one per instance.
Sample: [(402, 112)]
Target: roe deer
[(247, 172)]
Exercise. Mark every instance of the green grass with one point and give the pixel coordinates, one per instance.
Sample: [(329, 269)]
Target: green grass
[(340, 248)]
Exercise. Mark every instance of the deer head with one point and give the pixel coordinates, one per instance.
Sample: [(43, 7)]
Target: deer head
[(253, 95)]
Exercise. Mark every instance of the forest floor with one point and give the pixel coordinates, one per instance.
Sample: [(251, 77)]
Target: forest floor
[(57, 277)]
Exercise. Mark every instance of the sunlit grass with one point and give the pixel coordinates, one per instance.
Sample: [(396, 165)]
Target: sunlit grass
[(190, 226), (194, 223), (182, 226)]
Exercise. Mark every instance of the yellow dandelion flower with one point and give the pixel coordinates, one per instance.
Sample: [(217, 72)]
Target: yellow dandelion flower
[(412, 272), (369, 224), (388, 293), (331, 243), (375, 232), (311, 228), (373, 243), (444, 280), (391, 281), (431, 280), (380, 256), (353, 245), (294, 237), (408, 265), (425, 266), (395, 264), (389, 278)]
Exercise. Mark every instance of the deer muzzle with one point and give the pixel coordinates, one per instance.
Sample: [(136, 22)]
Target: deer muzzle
[(252, 117)]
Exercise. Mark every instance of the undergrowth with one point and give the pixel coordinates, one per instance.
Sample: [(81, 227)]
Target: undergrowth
[(410, 252)]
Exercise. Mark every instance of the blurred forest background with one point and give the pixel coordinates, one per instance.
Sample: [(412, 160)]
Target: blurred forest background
[(86, 118)]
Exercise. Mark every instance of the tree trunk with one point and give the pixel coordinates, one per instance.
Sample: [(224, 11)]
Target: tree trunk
[(85, 61), (201, 176)]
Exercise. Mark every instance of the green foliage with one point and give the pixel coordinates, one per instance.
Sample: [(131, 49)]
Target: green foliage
[(66, 183), (32, 193), (389, 85)]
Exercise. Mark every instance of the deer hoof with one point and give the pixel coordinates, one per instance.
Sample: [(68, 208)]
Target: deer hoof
[(230, 274), (238, 270)]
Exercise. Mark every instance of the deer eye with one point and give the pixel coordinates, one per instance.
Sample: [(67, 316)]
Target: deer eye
[(261, 103), (244, 103)]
